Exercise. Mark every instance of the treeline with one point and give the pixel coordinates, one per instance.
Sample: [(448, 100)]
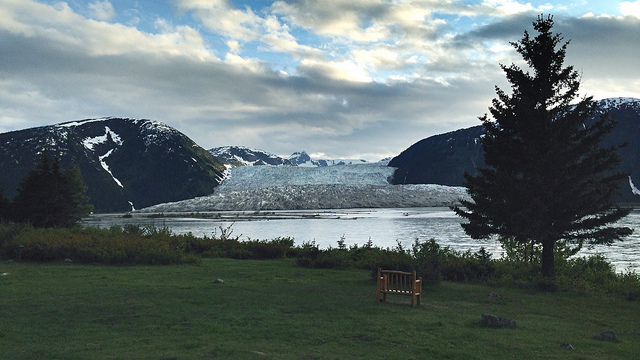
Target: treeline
[(48, 197), (135, 245)]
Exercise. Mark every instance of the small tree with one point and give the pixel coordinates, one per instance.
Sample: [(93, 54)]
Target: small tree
[(548, 181), (79, 203), (49, 197)]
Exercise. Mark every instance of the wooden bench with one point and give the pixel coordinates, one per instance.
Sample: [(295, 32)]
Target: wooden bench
[(399, 282)]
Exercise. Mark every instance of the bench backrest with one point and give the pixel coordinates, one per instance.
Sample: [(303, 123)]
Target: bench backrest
[(398, 281)]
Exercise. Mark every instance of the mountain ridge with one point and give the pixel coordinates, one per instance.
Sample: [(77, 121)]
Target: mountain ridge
[(233, 156), (444, 158), (126, 163)]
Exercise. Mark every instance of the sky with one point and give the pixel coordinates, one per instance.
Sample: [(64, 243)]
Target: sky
[(361, 79)]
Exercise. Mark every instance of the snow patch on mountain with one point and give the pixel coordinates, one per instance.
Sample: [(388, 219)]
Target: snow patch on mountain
[(106, 167), (155, 132), (91, 142), (634, 189), (81, 122)]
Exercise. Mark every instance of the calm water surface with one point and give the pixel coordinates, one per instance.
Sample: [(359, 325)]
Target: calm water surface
[(384, 227)]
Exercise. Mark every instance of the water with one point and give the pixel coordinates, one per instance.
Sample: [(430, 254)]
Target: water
[(384, 227)]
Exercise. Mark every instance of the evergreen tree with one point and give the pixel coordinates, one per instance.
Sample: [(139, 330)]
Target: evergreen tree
[(548, 181), (4, 206), (49, 197), (78, 189)]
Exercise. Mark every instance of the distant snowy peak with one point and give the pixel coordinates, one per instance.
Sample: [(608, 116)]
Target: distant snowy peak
[(233, 156), (303, 159), (618, 103), (300, 158)]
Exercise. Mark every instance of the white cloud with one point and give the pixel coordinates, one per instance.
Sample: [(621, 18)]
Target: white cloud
[(234, 46), (337, 70), (359, 21), (629, 8), (252, 65), (324, 17), (61, 26), (222, 17), (509, 7), (102, 10)]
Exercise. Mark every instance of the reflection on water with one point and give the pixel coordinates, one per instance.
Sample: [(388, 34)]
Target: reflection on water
[(384, 227)]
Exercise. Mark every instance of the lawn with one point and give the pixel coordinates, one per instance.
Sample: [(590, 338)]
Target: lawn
[(274, 309)]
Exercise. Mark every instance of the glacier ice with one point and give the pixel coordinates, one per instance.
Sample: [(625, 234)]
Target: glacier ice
[(251, 188)]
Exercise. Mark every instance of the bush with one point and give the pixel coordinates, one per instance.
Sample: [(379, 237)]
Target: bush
[(595, 274), (332, 259), (272, 249), (91, 246), (10, 231)]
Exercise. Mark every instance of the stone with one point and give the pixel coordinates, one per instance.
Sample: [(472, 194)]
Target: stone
[(497, 321), (606, 336), (219, 281), (567, 346)]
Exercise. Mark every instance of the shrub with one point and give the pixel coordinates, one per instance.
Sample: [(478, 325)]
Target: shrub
[(435, 263), (595, 274), (332, 259), (10, 231), (387, 259), (520, 274), (308, 249), (92, 246), (272, 249)]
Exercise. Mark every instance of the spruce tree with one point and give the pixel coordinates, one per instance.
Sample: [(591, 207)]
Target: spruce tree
[(4, 206), (548, 179), (50, 197)]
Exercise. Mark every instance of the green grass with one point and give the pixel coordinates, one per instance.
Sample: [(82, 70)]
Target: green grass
[(275, 310)]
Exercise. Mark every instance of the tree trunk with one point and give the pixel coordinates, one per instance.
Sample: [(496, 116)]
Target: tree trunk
[(548, 259)]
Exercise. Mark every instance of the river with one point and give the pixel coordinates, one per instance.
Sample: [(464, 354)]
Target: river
[(384, 227)]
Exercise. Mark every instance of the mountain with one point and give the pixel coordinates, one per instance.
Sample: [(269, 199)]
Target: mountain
[(440, 159), (626, 112), (303, 159), (232, 156), (443, 159), (126, 163)]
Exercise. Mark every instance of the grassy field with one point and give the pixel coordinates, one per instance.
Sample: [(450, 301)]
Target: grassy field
[(275, 310)]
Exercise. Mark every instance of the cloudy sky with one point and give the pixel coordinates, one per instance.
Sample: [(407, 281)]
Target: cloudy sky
[(336, 78)]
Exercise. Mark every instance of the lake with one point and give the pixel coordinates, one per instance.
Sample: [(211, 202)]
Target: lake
[(384, 227)]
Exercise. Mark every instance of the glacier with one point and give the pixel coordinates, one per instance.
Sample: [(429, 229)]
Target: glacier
[(257, 188)]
